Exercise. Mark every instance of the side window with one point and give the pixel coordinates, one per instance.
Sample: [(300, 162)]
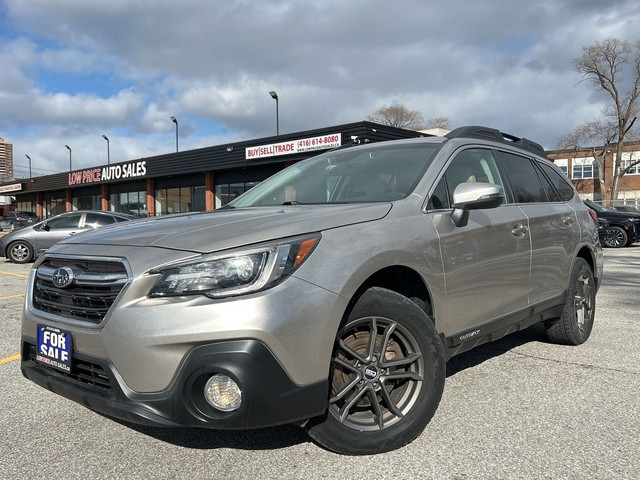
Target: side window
[(468, 166), (549, 190), (439, 198), (95, 220), (524, 179), (561, 183), (66, 221)]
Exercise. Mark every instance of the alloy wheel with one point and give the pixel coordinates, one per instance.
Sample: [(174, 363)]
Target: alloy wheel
[(377, 374)]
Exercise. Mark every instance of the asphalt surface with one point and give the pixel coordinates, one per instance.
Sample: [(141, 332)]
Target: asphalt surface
[(519, 408)]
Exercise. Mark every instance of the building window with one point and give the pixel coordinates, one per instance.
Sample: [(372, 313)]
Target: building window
[(28, 206), (228, 191), (53, 204), (584, 168), (132, 203), (562, 164), (87, 202), (629, 158), (179, 200)]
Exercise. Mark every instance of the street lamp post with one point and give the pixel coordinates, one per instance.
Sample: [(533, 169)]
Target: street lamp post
[(108, 153), (274, 95), (69, 148), (29, 158), (175, 120)]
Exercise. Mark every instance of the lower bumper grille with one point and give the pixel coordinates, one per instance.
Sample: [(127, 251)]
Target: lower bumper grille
[(82, 371)]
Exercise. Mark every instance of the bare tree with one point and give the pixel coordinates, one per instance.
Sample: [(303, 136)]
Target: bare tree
[(439, 122), (604, 63), (595, 136), (397, 116)]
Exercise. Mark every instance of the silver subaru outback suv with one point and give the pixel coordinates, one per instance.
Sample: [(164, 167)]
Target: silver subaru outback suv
[(330, 296)]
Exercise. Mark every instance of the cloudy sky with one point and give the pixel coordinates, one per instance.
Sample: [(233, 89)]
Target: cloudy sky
[(73, 70)]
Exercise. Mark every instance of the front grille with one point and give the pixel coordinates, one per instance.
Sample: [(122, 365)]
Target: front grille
[(83, 371), (96, 285)]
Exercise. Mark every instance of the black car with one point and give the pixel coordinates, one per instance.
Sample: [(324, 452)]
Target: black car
[(624, 227), (17, 219)]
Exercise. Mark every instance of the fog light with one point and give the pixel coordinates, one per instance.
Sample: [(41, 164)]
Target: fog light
[(223, 393)]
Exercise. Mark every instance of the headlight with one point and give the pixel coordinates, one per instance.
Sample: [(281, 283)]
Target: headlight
[(223, 275)]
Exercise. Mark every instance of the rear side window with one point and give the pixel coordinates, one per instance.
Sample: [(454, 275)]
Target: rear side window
[(525, 182), (561, 184), (96, 220)]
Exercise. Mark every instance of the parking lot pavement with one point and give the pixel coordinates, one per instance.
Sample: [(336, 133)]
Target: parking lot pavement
[(519, 408)]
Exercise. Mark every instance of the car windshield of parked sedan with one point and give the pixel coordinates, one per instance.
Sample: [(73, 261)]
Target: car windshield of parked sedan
[(350, 175)]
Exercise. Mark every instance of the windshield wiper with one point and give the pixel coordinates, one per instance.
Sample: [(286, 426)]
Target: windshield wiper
[(292, 202)]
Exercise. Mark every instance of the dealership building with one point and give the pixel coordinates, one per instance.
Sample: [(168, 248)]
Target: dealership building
[(195, 180)]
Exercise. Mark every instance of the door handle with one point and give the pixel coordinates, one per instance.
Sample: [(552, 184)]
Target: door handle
[(72, 233), (519, 230)]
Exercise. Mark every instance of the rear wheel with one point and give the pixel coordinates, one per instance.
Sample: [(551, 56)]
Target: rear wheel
[(20, 252), (574, 327), (387, 377), (617, 237)]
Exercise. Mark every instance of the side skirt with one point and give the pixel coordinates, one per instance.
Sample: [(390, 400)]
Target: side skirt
[(488, 332)]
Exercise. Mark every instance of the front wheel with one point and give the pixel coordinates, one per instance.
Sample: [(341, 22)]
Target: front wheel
[(20, 252), (387, 377), (574, 327)]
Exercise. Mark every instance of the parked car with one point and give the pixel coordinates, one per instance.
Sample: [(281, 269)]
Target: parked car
[(624, 227), (329, 296), (625, 208), (603, 231), (17, 219), (24, 245)]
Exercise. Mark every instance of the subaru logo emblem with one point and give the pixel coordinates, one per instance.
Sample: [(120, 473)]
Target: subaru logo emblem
[(62, 277)]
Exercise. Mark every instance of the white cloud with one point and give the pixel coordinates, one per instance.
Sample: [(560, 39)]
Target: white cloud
[(74, 69)]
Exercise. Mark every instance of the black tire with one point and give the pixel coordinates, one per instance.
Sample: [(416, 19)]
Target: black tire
[(385, 388), (20, 252), (574, 327), (617, 237)]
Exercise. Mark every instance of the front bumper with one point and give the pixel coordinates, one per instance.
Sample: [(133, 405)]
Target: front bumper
[(269, 397)]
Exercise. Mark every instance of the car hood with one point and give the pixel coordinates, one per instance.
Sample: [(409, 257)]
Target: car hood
[(619, 215), (222, 229)]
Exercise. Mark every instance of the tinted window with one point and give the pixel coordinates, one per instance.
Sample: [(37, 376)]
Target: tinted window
[(552, 194), (468, 166), (561, 184), (96, 220), (439, 198), (66, 221), (524, 179)]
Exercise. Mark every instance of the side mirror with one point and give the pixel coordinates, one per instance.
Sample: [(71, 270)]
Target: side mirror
[(46, 227), (474, 196)]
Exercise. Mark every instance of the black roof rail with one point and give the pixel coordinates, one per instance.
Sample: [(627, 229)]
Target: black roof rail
[(475, 131)]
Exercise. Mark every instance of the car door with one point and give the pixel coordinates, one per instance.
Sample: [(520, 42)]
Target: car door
[(486, 262), (56, 229), (555, 231)]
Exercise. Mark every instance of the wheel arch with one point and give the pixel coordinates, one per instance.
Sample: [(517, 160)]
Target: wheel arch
[(403, 280), (589, 256)]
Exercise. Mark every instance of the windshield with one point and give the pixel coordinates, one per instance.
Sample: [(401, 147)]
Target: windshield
[(352, 175)]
